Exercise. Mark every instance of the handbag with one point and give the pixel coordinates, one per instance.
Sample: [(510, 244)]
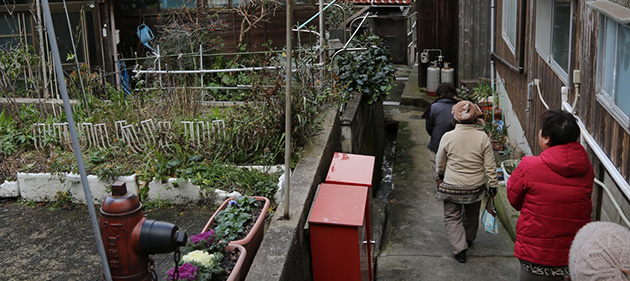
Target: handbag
[(489, 217)]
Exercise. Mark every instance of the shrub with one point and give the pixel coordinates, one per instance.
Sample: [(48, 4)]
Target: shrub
[(368, 72)]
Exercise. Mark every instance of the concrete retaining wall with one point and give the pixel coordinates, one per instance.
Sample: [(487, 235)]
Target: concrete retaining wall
[(43, 187), (185, 193), (284, 253)]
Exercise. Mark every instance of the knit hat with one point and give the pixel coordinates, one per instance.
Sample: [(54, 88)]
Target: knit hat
[(600, 251), (466, 111)]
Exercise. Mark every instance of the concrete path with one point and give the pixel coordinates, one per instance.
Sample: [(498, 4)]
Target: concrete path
[(414, 244)]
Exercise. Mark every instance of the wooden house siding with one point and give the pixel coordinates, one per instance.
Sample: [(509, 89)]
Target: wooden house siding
[(460, 30), (437, 29), (611, 136), (613, 139), (501, 47), (473, 39)]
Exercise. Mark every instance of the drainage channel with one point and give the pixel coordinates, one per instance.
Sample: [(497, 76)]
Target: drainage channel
[(387, 169)]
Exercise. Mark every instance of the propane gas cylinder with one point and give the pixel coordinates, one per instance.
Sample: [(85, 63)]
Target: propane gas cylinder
[(433, 78)]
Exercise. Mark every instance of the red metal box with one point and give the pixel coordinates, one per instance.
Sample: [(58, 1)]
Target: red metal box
[(339, 241)]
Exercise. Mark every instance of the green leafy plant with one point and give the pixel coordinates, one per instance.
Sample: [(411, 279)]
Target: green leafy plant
[(510, 165), (108, 164), (496, 133), (17, 71), (335, 16), (14, 133), (63, 200), (254, 132), (368, 72), (231, 220), (466, 94), (482, 91)]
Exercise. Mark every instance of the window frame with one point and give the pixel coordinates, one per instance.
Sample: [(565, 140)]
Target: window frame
[(504, 25), (547, 54), (21, 35), (605, 99)]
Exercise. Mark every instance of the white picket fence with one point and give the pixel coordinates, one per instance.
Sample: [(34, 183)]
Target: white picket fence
[(134, 135)]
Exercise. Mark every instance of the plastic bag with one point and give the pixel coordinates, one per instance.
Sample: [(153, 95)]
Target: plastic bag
[(489, 217)]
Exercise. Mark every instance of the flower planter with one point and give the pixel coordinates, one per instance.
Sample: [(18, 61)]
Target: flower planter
[(496, 145), (498, 113), (237, 273), (253, 238), (485, 106)]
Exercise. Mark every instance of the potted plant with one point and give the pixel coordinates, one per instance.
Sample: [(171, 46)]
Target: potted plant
[(481, 94), (208, 259), (240, 221), (497, 133), (464, 93), (508, 167)]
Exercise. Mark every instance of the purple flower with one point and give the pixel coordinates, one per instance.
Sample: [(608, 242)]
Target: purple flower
[(232, 203), (204, 236), (187, 271)]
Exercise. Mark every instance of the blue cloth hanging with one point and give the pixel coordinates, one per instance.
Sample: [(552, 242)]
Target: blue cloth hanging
[(146, 35)]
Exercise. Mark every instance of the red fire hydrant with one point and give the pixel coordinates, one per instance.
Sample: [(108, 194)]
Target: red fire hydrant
[(129, 238)]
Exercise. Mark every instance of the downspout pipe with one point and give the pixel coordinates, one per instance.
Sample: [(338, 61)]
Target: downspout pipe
[(52, 39), (520, 69), (521, 38)]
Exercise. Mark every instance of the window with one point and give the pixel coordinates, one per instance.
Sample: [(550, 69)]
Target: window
[(64, 42), (510, 8), (177, 4), (615, 69), (20, 27), (15, 29), (553, 33)]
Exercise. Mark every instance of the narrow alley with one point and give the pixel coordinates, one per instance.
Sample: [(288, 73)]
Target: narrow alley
[(414, 244)]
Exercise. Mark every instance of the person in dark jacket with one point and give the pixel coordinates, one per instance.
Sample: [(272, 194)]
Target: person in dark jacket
[(553, 193), (439, 118)]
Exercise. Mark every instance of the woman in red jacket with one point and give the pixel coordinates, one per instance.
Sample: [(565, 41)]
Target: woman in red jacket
[(553, 193)]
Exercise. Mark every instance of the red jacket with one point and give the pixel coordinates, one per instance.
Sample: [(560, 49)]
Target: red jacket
[(553, 193)]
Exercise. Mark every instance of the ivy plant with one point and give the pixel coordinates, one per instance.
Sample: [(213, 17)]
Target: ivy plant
[(370, 72)]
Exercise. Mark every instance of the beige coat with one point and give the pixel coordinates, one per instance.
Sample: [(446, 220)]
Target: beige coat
[(465, 158)]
